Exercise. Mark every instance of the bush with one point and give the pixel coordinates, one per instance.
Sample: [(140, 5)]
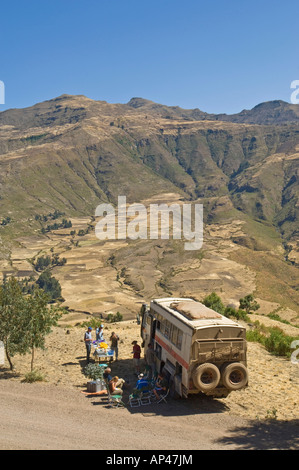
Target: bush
[(114, 318), (273, 339), (248, 303), (93, 371), (238, 314), (44, 262), (34, 376), (242, 315), (278, 343), (214, 302), (255, 336), (94, 323)]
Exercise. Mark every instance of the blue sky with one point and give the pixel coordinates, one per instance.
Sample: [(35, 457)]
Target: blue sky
[(219, 56)]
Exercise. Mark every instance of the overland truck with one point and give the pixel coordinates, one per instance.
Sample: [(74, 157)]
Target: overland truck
[(198, 349)]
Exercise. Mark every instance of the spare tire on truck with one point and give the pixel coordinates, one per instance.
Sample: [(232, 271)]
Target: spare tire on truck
[(235, 376), (206, 377)]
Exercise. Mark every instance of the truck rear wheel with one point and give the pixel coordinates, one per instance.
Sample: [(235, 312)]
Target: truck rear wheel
[(235, 376), (206, 377)]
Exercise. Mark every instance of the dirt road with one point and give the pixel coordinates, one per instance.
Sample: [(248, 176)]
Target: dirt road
[(43, 417)]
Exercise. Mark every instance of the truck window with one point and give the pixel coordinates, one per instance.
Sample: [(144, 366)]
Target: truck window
[(180, 339), (174, 335), (170, 332), (167, 329), (162, 327)]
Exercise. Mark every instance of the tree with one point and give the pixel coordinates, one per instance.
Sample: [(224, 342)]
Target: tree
[(50, 285), (248, 304), (12, 308), (25, 320), (42, 263), (40, 317), (214, 302)]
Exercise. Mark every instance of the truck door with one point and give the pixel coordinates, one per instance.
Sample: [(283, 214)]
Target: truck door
[(153, 329)]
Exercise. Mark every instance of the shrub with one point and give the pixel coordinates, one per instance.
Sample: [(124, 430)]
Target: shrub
[(34, 376), (94, 323), (93, 371), (255, 336), (242, 315), (278, 343), (248, 303), (114, 318), (238, 314), (273, 339), (214, 302)]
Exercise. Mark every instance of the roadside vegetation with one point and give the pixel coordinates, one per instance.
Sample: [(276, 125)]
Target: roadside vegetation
[(273, 339)]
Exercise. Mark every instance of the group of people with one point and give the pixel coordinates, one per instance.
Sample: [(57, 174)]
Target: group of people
[(115, 383), (114, 339), (144, 385)]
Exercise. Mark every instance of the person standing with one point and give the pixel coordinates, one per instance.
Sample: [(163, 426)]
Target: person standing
[(136, 356), (88, 340), (114, 338), (100, 334)]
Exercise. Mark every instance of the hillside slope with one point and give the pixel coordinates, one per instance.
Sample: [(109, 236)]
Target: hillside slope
[(72, 153)]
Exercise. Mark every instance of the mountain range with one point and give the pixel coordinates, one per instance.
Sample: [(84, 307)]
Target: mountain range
[(72, 152)]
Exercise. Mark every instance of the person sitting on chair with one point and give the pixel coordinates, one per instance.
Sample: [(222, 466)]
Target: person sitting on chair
[(115, 386), (142, 383), (160, 386), (107, 374)]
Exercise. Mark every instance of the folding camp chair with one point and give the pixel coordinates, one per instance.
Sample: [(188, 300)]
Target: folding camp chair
[(145, 398), (134, 400), (163, 396), (114, 401)]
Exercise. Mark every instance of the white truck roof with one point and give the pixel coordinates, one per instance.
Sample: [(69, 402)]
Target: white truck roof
[(192, 312)]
